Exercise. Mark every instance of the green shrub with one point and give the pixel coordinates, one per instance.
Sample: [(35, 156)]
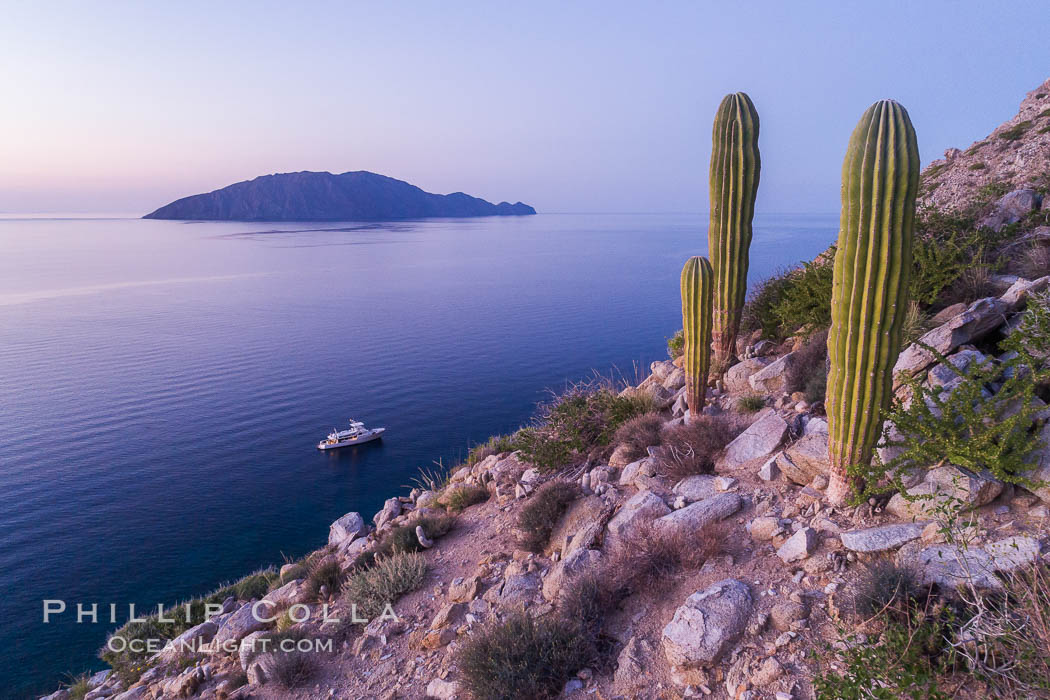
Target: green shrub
[(459, 497), (521, 657), (750, 403), (541, 512), (638, 434), (967, 427), (578, 424), (907, 662), (1016, 132), (328, 575), (293, 669), (794, 299), (78, 687), (389, 578), (676, 344), (497, 444), (254, 585), (976, 166), (403, 539)]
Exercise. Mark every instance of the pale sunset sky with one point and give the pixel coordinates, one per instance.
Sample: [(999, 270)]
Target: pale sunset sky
[(591, 106)]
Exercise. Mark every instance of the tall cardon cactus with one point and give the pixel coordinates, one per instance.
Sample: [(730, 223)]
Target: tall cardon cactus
[(735, 166), (869, 297), (698, 281)]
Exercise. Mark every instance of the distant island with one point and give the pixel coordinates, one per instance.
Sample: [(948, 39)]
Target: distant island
[(311, 196)]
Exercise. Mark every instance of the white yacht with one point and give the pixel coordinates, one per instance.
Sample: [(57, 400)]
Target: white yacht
[(356, 435)]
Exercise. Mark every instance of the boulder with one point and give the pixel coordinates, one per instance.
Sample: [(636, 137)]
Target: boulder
[(709, 622), (806, 459), (568, 570), (949, 566), (773, 378), (696, 488), (662, 369), (240, 624), (345, 529), (784, 614), (798, 546), (642, 467), (979, 318), (448, 614), (632, 666), (391, 509), (518, 590), (442, 689), (251, 646), (737, 377), (940, 375), (1017, 295), (643, 506), (289, 593), (881, 539), (189, 642), (694, 518), (975, 490), (765, 528), (262, 669), (463, 590), (1011, 208), (769, 471), (675, 380), (579, 527), (762, 437)]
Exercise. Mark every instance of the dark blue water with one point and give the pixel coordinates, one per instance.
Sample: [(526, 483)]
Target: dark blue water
[(163, 384)]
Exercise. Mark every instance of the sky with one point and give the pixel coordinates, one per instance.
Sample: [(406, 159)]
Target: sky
[(584, 106)]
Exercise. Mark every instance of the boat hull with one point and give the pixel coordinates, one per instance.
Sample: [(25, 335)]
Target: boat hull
[(350, 442)]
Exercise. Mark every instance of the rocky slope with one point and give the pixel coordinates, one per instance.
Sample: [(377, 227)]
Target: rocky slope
[(310, 196), (744, 625), (1016, 155)]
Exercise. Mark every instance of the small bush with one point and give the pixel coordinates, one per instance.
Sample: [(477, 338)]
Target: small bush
[(638, 434), (579, 424), (886, 588), (542, 511), (293, 669), (1016, 132), (791, 300), (649, 558), (811, 361), (676, 344), (384, 582), (521, 658), (403, 539), (974, 283), (497, 444), (328, 575), (460, 497), (692, 448), (254, 585), (750, 403), (1036, 261), (976, 166), (916, 323), (78, 687)]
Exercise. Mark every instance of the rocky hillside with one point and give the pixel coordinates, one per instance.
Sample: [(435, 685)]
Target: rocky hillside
[(738, 582), (1015, 156), (308, 196)]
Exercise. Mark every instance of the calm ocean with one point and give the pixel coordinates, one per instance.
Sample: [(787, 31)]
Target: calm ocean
[(163, 384)]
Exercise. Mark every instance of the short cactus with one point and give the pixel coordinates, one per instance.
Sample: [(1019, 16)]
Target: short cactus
[(697, 290), (869, 298), (735, 167)]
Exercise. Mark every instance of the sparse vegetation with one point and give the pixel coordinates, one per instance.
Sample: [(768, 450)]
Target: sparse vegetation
[(639, 433), (457, 498), (78, 687), (650, 558), (1015, 132), (521, 657), (887, 588), (403, 539), (692, 448), (579, 425), (327, 575), (792, 301), (381, 584), (750, 403), (676, 344), (541, 512), (976, 166), (293, 669), (497, 444), (809, 372)]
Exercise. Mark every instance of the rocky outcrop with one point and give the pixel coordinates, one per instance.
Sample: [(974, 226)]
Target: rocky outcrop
[(709, 622), (1008, 157), (759, 440)]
